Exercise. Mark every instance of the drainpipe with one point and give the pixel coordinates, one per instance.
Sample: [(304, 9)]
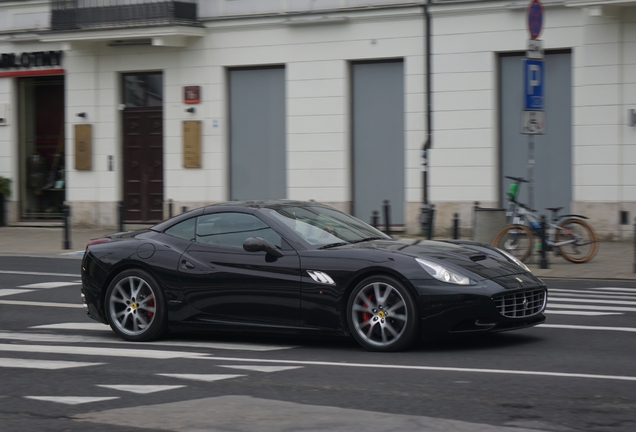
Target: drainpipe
[(429, 135), (426, 215)]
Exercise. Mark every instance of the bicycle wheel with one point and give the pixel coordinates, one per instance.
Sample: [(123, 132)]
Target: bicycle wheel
[(584, 243), (516, 240)]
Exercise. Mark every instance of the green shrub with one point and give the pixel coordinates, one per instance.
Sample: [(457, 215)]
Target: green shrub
[(5, 186)]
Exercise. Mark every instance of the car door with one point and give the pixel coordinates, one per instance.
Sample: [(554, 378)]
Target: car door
[(220, 278)]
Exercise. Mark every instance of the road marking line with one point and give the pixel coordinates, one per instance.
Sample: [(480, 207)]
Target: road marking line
[(600, 308), (46, 285), (141, 389), (8, 292), (582, 313), (73, 275), (131, 352), (429, 368), (202, 377), (617, 289), (70, 400), (42, 364), (578, 327), (92, 326), (42, 304), (575, 300), (261, 368), (607, 295), (111, 338)]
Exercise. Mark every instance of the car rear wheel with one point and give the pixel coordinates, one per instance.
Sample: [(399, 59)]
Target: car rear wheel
[(135, 306), (382, 314)]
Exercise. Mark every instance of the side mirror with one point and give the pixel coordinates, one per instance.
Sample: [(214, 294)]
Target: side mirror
[(258, 244)]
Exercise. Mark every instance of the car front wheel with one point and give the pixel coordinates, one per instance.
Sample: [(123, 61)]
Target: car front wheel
[(382, 314), (135, 306)]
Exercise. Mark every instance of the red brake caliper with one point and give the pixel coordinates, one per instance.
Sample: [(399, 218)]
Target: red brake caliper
[(151, 303), (366, 316)]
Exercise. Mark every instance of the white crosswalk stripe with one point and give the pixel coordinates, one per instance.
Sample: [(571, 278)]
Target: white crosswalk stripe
[(9, 291), (22, 289), (140, 389), (111, 338), (601, 301), (47, 285), (70, 400), (42, 364), (202, 377)]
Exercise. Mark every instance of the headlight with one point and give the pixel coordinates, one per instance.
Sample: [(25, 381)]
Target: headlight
[(514, 259), (442, 273)]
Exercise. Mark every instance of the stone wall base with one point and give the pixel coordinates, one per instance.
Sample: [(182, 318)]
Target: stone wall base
[(605, 218)]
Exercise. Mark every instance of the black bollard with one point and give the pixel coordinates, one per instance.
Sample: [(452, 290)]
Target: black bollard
[(456, 226), (66, 213), (544, 247), (386, 207), (184, 209), (431, 220), (169, 209), (375, 218), (120, 215)]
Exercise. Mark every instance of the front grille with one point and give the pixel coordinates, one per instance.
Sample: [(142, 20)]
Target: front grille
[(521, 304)]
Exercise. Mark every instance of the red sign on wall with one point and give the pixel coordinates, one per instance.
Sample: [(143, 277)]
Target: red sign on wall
[(192, 94)]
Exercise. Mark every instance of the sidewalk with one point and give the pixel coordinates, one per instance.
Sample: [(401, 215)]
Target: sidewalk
[(614, 260)]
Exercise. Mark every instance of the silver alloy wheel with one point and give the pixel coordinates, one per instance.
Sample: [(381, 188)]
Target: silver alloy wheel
[(379, 314), (132, 305)]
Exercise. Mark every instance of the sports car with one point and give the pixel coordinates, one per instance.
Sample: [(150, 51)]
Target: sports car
[(302, 268)]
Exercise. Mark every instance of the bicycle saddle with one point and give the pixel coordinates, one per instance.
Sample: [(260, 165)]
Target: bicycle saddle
[(554, 209)]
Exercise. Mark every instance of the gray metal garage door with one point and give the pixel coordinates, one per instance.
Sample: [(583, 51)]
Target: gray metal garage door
[(553, 151), (378, 138), (257, 133)]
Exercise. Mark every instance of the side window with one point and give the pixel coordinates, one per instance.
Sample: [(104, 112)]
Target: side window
[(232, 229), (184, 230)]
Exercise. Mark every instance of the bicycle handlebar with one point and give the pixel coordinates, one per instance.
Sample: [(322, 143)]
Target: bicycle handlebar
[(517, 179)]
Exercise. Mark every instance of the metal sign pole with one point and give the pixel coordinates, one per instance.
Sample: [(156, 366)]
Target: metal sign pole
[(533, 114), (531, 171)]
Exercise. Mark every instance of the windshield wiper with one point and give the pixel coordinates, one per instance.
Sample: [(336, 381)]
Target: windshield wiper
[(368, 239), (330, 245)]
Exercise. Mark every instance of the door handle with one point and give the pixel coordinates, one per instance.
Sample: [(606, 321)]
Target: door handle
[(187, 264)]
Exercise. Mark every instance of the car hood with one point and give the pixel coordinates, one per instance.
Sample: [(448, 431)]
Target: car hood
[(480, 260)]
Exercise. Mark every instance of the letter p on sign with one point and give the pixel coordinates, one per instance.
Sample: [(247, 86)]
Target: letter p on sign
[(533, 84)]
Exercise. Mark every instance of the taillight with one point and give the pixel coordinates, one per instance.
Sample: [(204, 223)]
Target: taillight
[(98, 241)]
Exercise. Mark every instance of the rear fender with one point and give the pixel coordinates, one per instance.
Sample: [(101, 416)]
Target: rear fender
[(572, 216)]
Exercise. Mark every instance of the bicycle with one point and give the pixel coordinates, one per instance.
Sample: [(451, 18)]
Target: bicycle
[(569, 235)]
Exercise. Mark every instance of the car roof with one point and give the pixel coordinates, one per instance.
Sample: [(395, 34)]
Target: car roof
[(234, 205)]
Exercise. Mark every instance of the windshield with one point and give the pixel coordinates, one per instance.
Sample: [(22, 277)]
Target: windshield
[(323, 226)]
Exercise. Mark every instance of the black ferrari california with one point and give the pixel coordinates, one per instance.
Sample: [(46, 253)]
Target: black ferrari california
[(302, 268)]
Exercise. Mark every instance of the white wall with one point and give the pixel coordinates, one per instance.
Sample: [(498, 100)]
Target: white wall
[(316, 58), (466, 40)]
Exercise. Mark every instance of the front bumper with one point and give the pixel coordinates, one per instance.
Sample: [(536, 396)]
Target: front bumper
[(488, 307)]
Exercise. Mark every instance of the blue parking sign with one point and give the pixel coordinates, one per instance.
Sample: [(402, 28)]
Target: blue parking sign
[(533, 84)]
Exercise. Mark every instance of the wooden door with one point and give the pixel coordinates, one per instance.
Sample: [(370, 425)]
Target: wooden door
[(143, 164)]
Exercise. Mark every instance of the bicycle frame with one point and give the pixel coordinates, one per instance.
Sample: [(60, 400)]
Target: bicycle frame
[(521, 215)]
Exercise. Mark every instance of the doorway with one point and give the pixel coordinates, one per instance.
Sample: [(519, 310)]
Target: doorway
[(42, 185), (377, 105), (552, 151), (257, 133), (143, 147)]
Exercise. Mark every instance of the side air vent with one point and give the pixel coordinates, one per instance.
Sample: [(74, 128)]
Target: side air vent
[(320, 277)]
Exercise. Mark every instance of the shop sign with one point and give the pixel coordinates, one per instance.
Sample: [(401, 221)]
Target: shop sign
[(30, 59), (192, 94)]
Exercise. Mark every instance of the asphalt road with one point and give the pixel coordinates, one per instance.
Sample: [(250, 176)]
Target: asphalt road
[(61, 371)]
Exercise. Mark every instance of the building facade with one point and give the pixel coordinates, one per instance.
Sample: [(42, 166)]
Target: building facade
[(161, 105), (586, 161), (276, 89)]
